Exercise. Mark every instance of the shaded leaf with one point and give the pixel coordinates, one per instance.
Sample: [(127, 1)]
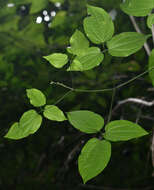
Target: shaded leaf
[(32, 33), (57, 1), (137, 7), (58, 60), (92, 58), (150, 66), (150, 20), (37, 5), (94, 157), (59, 19), (126, 43), (123, 130), (52, 112), (99, 26), (37, 98), (86, 121)]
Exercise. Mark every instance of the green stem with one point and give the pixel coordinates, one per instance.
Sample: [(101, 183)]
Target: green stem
[(102, 90)]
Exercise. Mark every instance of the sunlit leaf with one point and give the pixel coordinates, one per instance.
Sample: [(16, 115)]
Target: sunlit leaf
[(15, 132), (58, 60), (94, 157), (92, 58), (123, 130), (137, 7), (29, 123), (52, 112), (37, 98), (79, 43), (126, 43), (86, 121), (99, 26)]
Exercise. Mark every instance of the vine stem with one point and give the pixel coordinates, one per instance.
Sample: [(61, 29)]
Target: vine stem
[(102, 90), (59, 100)]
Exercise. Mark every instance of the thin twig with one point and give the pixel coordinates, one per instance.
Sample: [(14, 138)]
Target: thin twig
[(61, 98), (102, 90), (134, 100), (137, 101), (146, 46)]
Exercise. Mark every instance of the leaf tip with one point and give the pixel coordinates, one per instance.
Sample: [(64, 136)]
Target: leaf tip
[(84, 181)]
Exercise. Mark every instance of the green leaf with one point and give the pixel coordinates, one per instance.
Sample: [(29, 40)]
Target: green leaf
[(150, 66), (52, 112), (29, 123), (15, 132), (126, 43), (99, 26), (79, 43), (58, 60), (86, 121), (123, 130), (94, 157), (137, 7), (37, 98), (150, 20), (37, 5), (92, 58)]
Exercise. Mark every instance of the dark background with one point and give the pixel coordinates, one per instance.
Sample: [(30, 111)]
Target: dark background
[(48, 159)]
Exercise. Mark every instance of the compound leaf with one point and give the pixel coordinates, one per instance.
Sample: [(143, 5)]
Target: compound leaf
[(94, 157)]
